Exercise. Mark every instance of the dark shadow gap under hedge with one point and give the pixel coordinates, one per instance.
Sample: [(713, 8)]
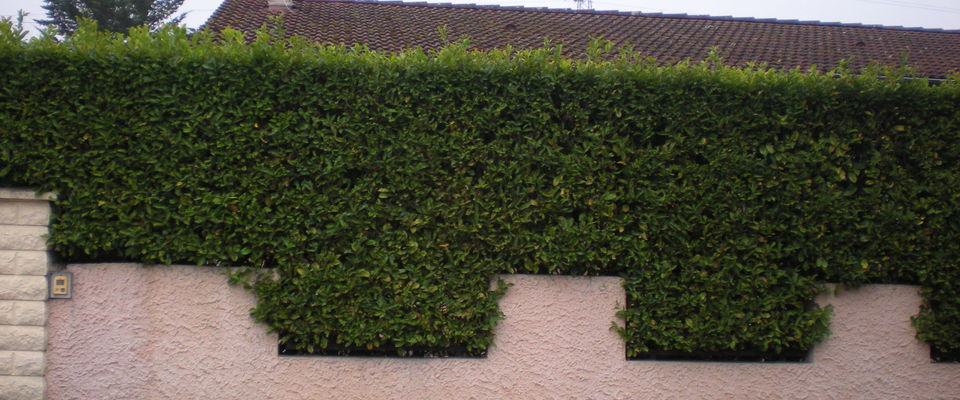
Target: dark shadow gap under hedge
[(940, 356), (724, 356), (288, 347)]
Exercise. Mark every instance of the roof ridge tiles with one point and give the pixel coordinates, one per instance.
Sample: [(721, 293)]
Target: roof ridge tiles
[(645, 14)]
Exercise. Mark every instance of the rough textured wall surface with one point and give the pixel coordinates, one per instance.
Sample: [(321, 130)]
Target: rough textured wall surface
[(177, 332)]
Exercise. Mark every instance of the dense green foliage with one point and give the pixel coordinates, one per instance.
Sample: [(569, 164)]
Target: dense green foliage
[(388, 190)]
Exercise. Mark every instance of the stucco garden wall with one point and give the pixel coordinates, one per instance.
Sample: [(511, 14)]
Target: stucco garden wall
[(180, 332)]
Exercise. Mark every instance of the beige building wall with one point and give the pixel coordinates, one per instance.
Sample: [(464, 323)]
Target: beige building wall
[(179, 332)]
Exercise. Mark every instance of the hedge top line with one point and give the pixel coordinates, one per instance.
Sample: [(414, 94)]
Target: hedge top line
[(273, 41)]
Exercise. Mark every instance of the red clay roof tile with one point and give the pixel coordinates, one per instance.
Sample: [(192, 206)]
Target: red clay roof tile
[(388, 25)]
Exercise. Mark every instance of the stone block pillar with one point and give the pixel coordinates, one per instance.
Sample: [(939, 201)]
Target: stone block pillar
[(24, 263)]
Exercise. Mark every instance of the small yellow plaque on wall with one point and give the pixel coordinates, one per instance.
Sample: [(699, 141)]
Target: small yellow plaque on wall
[(61, 285)]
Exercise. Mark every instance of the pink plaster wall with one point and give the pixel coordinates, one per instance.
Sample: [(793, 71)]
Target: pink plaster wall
[(177, 332)]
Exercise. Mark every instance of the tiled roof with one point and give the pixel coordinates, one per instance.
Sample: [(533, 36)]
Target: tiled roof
[(388, 25)]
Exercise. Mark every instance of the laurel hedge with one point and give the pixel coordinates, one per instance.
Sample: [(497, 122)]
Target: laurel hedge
[(374, 196)]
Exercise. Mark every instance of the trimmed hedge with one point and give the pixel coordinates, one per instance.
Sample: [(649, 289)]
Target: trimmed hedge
[(385, 191)]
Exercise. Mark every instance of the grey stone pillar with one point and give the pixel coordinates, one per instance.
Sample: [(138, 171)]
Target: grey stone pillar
[(24, 263)]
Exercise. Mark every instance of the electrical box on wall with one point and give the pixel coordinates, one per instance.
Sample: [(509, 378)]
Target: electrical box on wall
[(61, 285)]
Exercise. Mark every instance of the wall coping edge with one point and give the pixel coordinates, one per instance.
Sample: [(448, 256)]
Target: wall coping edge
[(25, 194)]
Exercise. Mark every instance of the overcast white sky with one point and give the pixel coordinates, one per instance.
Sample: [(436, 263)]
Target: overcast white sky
[(911, 13)]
